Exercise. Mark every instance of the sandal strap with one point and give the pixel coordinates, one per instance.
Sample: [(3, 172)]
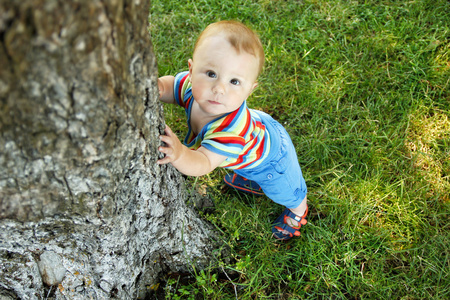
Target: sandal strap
[(300, 219), (297, 218), (292, 230)]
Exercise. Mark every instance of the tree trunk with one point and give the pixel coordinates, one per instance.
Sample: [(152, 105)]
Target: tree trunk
[(85, 212)]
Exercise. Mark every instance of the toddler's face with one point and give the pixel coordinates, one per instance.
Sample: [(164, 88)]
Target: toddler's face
[(221, 78)]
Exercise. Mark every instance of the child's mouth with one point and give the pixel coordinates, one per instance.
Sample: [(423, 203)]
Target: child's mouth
[(214, 102)]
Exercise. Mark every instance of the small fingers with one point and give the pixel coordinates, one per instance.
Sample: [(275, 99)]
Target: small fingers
[(168, 131), (165, 150), (167, 158), (163, 161), (166, 139), (168, 147)]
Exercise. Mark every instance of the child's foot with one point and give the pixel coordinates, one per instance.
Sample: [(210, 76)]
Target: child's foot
[(287, 225), (242, 184)]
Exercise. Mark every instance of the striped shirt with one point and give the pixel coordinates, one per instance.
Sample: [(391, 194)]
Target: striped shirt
[(239, 135)]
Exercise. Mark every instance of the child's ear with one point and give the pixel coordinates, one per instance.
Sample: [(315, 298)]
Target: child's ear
[(254, 86), (190, 66)]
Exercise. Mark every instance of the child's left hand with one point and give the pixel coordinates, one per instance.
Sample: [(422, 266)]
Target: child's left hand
[(189, 162), (173, 148)]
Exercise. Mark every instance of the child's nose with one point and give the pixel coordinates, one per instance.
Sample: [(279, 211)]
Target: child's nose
[(218, 88)]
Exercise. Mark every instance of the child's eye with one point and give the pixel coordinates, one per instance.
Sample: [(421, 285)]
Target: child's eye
[(211, 74), (235, 82)]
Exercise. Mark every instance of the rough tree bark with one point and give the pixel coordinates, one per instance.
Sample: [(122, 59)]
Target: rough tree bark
[(84, 210)]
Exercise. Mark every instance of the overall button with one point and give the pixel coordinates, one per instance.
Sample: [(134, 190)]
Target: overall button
[(269, 176)]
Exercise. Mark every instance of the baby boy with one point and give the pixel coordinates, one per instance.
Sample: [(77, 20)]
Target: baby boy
[(224, 132)]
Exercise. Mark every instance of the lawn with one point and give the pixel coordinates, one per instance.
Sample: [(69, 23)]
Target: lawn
[(363, 88)]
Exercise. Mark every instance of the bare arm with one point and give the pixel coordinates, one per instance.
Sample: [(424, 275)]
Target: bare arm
[(189, 162), (165, 86)]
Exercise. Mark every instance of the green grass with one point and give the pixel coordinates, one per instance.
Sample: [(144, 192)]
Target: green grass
[(363, 87)]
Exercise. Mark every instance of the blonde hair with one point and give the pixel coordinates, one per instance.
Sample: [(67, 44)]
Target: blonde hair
[(238, 35)]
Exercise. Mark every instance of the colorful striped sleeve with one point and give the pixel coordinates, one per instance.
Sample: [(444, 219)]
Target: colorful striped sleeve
[(224, 143), (181, 86)]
